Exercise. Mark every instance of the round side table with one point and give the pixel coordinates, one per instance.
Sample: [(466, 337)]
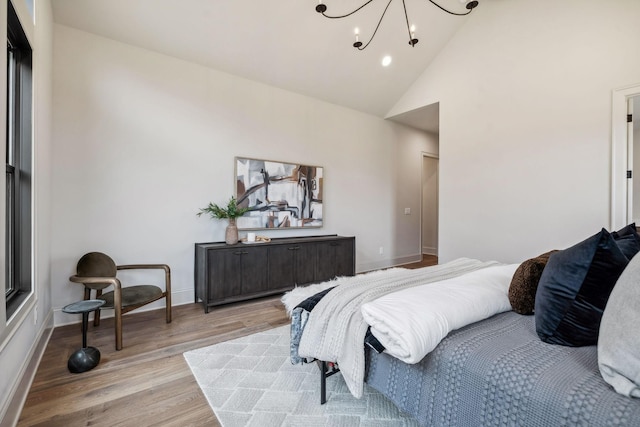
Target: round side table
[(86, 358)]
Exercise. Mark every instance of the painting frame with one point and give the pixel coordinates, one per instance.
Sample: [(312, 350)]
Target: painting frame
[(279, 195)]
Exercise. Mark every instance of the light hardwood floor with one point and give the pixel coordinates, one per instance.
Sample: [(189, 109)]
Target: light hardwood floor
[(148, 382)]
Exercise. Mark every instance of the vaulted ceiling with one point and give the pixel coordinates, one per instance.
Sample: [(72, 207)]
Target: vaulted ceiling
[(284, 43)]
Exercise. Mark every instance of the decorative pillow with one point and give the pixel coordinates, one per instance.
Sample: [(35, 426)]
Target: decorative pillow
[(522, 290), (574, 289), (619, 341), (624, 231), (628, 240)]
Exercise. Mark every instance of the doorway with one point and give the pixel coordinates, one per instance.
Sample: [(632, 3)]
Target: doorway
[(429, 220), (624, 209), (633, 144)]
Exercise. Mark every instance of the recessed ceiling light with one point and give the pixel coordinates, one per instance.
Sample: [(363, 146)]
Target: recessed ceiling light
[(386, 61)]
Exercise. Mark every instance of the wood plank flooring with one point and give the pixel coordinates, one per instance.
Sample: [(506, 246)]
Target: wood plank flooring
[(148, 382), (427, 260)]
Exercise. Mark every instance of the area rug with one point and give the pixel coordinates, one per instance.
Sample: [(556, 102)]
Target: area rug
[(251, 382)]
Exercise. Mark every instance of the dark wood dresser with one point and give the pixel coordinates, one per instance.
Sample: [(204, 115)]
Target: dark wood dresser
[(229, 273)]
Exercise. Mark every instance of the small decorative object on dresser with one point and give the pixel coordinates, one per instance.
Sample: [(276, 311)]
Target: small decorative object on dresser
[(231, 212)]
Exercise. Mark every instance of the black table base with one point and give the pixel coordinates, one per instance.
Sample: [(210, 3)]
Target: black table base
[(83, 360)]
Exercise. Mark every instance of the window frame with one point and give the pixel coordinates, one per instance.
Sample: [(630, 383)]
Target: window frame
[(18, 155)]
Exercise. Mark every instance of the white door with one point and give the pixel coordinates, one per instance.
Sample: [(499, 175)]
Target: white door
[(633, 139), (429, 205), (630, 163), (622, 158)]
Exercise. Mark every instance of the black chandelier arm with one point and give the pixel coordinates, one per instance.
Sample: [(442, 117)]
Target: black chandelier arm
[(322, 9), (455, 13), (358, 45), (406, 17)]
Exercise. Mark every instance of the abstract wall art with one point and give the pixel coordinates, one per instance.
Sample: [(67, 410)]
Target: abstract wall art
[(278, 194)]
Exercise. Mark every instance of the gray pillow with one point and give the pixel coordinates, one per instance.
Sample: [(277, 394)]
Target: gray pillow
[(618, 339)]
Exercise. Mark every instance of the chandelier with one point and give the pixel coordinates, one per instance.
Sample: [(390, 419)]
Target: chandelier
[(411, 29)]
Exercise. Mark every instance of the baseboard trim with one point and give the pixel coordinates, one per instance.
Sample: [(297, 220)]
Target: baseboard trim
[(428, 250), (393, 262), (22, 387)]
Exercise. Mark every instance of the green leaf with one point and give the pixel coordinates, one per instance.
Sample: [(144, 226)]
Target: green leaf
[(217, 212)]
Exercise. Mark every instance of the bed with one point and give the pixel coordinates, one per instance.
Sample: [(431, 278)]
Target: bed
[(493, 371), (497, 372)]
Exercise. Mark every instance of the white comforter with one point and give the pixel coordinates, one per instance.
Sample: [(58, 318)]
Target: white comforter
[(335, 329), (410, 323)]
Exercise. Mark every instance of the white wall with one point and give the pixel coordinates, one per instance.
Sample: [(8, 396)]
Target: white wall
[(525, 123), (142, 141), (23, 336)]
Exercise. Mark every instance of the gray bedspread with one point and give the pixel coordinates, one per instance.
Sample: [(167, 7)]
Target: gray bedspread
[(498, 373)]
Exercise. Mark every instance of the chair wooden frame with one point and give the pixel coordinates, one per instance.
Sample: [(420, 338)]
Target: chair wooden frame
[(100, 283)]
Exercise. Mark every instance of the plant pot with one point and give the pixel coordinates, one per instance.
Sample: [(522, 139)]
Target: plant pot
[(231, 235)]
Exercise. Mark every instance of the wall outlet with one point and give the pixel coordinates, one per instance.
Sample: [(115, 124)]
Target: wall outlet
[(381, 250), (407, 211)]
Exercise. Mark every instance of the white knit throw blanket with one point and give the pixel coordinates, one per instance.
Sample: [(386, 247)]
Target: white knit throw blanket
[(335, 329)]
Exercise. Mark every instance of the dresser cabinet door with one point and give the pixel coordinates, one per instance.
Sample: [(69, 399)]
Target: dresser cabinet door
[(291, 265), (305, 263), (335, 258), (225, 280), (234, 272), (254, 270), (281, 274), (344, 258)]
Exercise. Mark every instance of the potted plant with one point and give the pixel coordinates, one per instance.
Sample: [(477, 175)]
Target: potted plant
[(230, 212)]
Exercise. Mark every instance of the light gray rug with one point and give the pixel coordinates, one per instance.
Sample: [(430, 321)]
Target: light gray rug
[(251, 382)]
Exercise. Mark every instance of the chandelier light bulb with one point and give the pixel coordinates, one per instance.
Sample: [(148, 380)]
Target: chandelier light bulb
[(412, 36), (357, 43)]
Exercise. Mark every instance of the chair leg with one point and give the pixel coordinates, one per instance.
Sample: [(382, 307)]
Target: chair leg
[(168, 308), (167, 292), (96, 314), (117, 305)]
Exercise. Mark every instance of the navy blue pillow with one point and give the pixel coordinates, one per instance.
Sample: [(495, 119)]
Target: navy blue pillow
[(574, 289), (626, 230), (628, 240)]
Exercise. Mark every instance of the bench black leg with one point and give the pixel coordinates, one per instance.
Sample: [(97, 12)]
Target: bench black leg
[(323, 383), (326, 370)]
